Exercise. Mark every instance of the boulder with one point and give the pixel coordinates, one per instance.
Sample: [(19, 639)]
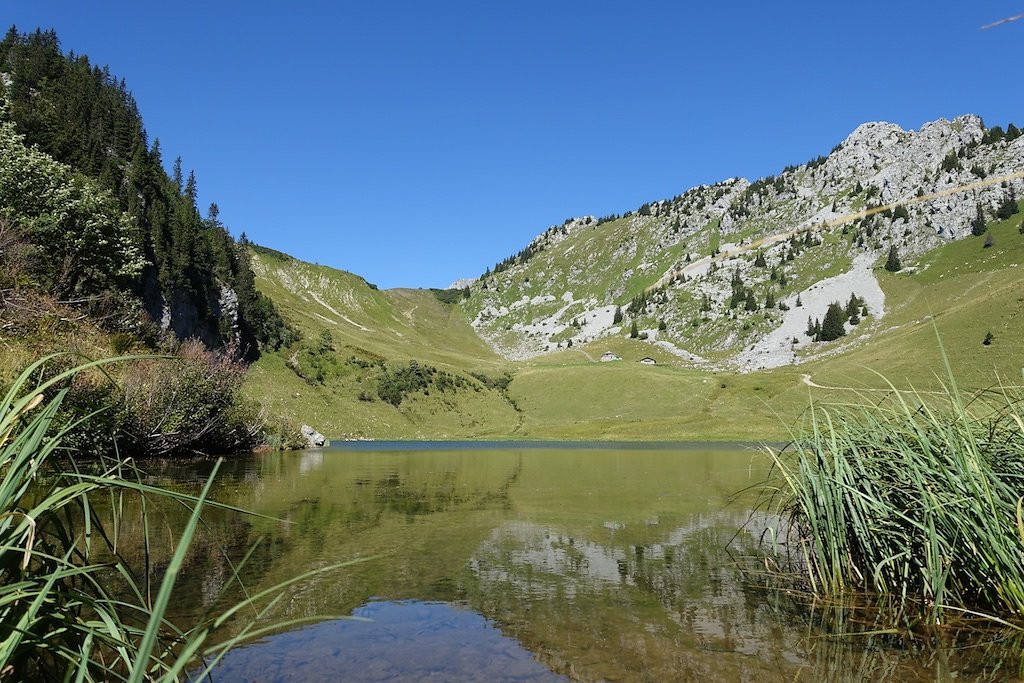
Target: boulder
[(314, 439)]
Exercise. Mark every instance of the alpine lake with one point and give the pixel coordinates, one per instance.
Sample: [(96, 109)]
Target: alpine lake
[(527, 562)]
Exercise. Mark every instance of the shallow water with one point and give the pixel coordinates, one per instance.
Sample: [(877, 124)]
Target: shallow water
[(525, 563)]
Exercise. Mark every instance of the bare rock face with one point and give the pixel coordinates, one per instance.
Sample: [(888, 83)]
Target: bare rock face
[(184, 314), (314, 439)]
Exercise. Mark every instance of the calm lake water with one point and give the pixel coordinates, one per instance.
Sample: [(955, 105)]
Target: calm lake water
[(529, 563)]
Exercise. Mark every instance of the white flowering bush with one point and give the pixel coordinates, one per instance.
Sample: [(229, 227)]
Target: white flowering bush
[(82, 242)]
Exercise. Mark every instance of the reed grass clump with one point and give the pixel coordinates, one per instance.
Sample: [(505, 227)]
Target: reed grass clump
[(915, 498), (71, 607)]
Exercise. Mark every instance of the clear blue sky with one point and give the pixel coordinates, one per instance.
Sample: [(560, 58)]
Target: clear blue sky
[(416, 142)]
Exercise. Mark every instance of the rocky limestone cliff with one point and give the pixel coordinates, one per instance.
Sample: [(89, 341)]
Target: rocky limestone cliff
[(813, 232)]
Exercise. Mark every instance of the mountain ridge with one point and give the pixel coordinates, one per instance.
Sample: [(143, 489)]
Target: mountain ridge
[(882, 187)]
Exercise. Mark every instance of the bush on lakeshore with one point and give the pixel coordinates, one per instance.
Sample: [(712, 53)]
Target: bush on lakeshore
[(189, 404)]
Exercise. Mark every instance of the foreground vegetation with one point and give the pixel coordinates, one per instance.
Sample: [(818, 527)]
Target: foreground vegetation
[(915, 498), (71, 606)]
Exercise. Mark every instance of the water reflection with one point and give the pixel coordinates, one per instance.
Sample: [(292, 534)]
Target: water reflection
[(591, 564), (398, 641)]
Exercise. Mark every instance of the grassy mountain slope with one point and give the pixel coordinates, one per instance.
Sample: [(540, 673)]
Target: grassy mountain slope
[(966, 288), (569, 394), (373, 336)]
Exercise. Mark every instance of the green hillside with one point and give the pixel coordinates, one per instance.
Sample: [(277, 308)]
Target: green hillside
[(969, 288), (354, 338)]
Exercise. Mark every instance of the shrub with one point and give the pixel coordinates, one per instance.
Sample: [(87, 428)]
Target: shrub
[(190, 403)]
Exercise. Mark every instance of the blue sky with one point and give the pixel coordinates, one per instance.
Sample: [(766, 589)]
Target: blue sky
[(416, 142)]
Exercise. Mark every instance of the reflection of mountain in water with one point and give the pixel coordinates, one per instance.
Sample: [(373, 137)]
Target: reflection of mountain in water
[(671, 608), (680, 608)]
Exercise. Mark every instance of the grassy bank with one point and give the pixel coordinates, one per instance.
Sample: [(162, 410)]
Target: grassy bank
[(914, 497), (71, 606)]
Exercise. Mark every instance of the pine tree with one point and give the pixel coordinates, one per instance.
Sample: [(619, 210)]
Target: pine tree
[(176, 174), (759, 261), (633, 331), (191, 191), (1008, 206), (618, 315), (892, 263), (853, 306), (769, 301), (832, 327), (978, 226)]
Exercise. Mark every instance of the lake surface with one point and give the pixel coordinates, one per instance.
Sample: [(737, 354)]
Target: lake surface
[(529, 563)]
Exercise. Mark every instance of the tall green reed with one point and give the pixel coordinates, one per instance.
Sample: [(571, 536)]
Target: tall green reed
[(916, 499), (71, 608)]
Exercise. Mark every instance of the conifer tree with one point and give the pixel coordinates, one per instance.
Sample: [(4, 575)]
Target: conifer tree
[(853, 306), (191, 191), (633, 331), (892, 263), (1008, 206), (618, 315), (832, 327), (978, 226)]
